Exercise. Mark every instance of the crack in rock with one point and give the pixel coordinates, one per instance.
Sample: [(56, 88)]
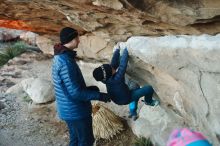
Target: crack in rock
[(200, 86)]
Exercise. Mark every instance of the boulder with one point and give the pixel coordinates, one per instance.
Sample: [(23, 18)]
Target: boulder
[(29, 37), (114, 4), (39, 90), (16, 90), (45, 44), (9, 34), (92, 46), (156, 123), (184, 71)]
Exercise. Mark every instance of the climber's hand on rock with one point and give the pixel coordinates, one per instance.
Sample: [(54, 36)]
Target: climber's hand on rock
[(117, 46)]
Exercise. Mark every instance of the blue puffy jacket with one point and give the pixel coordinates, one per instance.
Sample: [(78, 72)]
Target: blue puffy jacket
[(116, 87), (72, 97)]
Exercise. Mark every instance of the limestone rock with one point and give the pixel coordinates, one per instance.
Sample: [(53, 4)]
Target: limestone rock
[(40, 90), (29, 37), (156, 123), (115, 4), (184, 71), (92, 46), (210, 85), (182, 12), (16, 90), (114, 20), (41, 19), (9, 34), (45, 44)]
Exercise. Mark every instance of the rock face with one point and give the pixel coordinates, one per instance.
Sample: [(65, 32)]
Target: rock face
[(92, 46), (40, 19), (9, 34), (156, 123), (39, 90), (183, 12), (29, 37), (185, 73), (114, 4), (45, 44), (115, 20)]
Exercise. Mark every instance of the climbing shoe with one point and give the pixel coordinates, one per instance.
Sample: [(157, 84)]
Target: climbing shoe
[(154, 102), (133, 117)]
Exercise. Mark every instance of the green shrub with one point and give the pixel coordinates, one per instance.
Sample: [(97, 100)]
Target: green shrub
[(12, 51), (3, 58), (142, 141), (27, 99)]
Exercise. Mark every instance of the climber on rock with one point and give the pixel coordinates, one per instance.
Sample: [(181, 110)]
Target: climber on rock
[(113, 75)]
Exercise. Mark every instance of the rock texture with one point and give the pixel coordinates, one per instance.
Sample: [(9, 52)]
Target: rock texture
[(39, 90), (184, 71), (115, 20), (9, 34), (33, 16), (29, 37)]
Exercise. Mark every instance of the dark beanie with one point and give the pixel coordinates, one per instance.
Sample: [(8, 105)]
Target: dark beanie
[(103, 72), (67, 34)]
